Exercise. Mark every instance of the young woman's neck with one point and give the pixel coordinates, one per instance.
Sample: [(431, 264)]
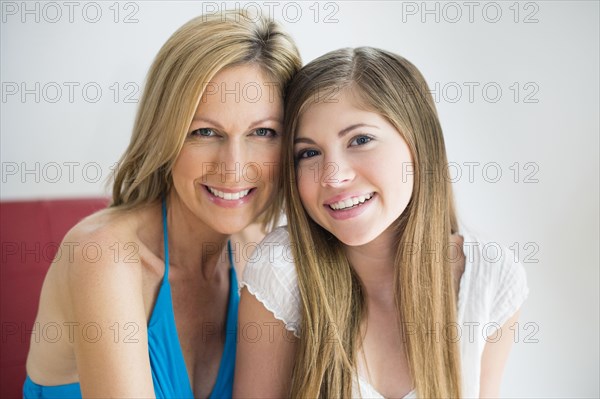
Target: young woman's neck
[(374, 264)]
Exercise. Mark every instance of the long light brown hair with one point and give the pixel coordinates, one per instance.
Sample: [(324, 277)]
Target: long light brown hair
[(184, 66), (332, 297)]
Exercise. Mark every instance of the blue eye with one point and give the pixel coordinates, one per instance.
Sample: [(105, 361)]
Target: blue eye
[(204, 132), (361, 140), (307, 154), (264, 132)]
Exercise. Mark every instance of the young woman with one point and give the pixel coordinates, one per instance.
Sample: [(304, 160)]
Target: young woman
[(383, 294), (146, 304)]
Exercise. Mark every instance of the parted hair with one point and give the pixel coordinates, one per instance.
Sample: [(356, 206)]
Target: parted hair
[(176, 81), (332, 298)]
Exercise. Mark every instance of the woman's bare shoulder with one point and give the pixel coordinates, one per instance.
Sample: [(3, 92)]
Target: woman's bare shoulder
[(97, 274), (110, 225), (107, 242), (105, 223)]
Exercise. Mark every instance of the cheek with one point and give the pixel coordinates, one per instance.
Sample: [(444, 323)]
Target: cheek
[(185, 166), (390, 172), (266, 164), (403, 186), (307, 188), (264, 151)]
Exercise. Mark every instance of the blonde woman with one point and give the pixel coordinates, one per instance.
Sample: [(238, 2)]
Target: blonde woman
[(373, 290), (151, 309)]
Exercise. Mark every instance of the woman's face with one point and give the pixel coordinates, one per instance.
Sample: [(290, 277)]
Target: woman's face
[(226, 171), (354, 169)]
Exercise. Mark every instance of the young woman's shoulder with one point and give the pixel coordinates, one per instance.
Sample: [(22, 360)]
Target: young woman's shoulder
[(270, 276), (273, 254), (494, 281)]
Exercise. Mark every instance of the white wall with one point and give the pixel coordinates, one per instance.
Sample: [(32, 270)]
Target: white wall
[(549, 209)]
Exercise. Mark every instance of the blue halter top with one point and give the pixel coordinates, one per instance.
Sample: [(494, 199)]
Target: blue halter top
[(169, 373)]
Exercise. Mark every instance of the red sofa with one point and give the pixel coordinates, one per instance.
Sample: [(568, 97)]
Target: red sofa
[(30, 232)]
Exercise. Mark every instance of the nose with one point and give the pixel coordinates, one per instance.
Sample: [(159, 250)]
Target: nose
[(232, 161), (336, 172)]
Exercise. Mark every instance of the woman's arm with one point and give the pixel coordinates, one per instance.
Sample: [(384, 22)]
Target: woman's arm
[(495, 354), (265, 352), (110, 340)]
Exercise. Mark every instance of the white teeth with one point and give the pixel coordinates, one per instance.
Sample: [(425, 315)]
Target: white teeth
[(350, 202), (228, 196)]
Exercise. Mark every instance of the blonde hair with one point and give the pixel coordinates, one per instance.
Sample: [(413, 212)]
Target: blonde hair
[(177, 79), (332, 298)]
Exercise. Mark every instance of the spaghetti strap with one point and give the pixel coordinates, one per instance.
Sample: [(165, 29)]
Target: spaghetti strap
[(165, 239), (230, 254)]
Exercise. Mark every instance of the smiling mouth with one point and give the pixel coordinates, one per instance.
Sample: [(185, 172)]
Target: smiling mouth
[(229, 196), (350, 203)]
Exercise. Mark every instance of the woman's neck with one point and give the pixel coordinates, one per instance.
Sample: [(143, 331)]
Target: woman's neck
[(374, 264), (193, 246)]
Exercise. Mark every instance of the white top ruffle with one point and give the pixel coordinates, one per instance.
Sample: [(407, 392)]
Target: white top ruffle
[(492, 288)]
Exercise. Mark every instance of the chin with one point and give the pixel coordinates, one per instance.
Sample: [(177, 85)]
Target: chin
[(355, 239), (228, 225), (231, 228), (353, 242)]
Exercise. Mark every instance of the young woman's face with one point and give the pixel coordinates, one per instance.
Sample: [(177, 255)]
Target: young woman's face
[(226, 171), (354, 169)]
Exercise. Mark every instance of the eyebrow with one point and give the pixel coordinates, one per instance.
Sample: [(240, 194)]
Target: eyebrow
[(341, 133), (218, 125)]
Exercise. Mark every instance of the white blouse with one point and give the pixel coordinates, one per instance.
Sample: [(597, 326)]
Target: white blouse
[(492, 288)]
